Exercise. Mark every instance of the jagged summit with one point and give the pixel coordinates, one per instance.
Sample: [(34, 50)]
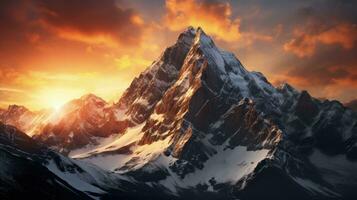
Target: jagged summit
[(187, 36), (198, 35), (17, 108), (197, 104), (201, 43), (196, 120), (90, 96)]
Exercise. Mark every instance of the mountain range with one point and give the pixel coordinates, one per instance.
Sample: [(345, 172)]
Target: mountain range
[(195, 124)]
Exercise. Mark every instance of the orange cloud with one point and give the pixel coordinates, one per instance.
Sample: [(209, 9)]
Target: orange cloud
[(303, 45), (248, 38), (343, 34), (103, 22), (214, 17), (305, 42), (332, 82)]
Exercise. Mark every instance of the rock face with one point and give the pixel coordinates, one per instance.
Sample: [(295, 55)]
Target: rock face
[(22, 118), (31, 170), (200, 125), (78, 123), (196, 118)]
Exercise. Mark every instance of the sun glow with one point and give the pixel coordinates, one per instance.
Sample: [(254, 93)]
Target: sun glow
[(55, 98), (57, 107)]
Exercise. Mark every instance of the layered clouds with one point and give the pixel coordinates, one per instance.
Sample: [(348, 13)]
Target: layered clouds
[(306, 39), (104, 22), (60, 47), (213, 16), (57, 48)]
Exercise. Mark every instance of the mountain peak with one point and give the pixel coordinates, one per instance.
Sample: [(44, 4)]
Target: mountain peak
[(17, 108), (197, 119), (187, 36), (202, 38), (192, 36), (90, 96), (190, 29)]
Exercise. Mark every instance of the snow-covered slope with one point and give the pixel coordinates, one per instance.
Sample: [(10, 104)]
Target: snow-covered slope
[(24, 170), (30, 170), (200, 125), (197, 111)]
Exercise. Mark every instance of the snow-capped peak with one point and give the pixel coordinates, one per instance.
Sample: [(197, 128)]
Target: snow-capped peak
[(186, 36)]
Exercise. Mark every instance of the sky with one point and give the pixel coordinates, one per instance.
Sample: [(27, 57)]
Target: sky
[(54, 51)]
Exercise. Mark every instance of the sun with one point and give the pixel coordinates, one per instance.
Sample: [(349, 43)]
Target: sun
[(57, 107), (56, 98), (56, 104)]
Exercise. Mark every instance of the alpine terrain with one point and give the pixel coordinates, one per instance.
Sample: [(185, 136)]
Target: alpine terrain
[(195, 124)]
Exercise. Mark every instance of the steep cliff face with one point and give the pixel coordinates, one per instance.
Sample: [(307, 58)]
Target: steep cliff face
[(208, 110), (197, 123), (139, 100)]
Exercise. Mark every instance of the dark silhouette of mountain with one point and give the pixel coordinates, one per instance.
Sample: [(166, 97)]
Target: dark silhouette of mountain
[(22, 173)]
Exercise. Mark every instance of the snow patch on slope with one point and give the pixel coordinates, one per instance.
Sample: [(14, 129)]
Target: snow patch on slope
[(74, 180), (236, 163), (227, 166)]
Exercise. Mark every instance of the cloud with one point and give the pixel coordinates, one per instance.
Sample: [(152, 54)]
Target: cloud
[(329, 73), (306, 39), (327, 66), (324, 75), (4, 89), (99, 21), (53, 43), (213, 16), (94, 22), (127, 61)]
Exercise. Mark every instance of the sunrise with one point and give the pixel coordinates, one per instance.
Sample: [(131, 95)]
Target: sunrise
[(178, 99)]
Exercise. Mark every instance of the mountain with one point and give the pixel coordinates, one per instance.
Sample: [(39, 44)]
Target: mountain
[(196, 124), (352, 104), (197, 120), (31, 170), (24, 119), (78, 123)]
